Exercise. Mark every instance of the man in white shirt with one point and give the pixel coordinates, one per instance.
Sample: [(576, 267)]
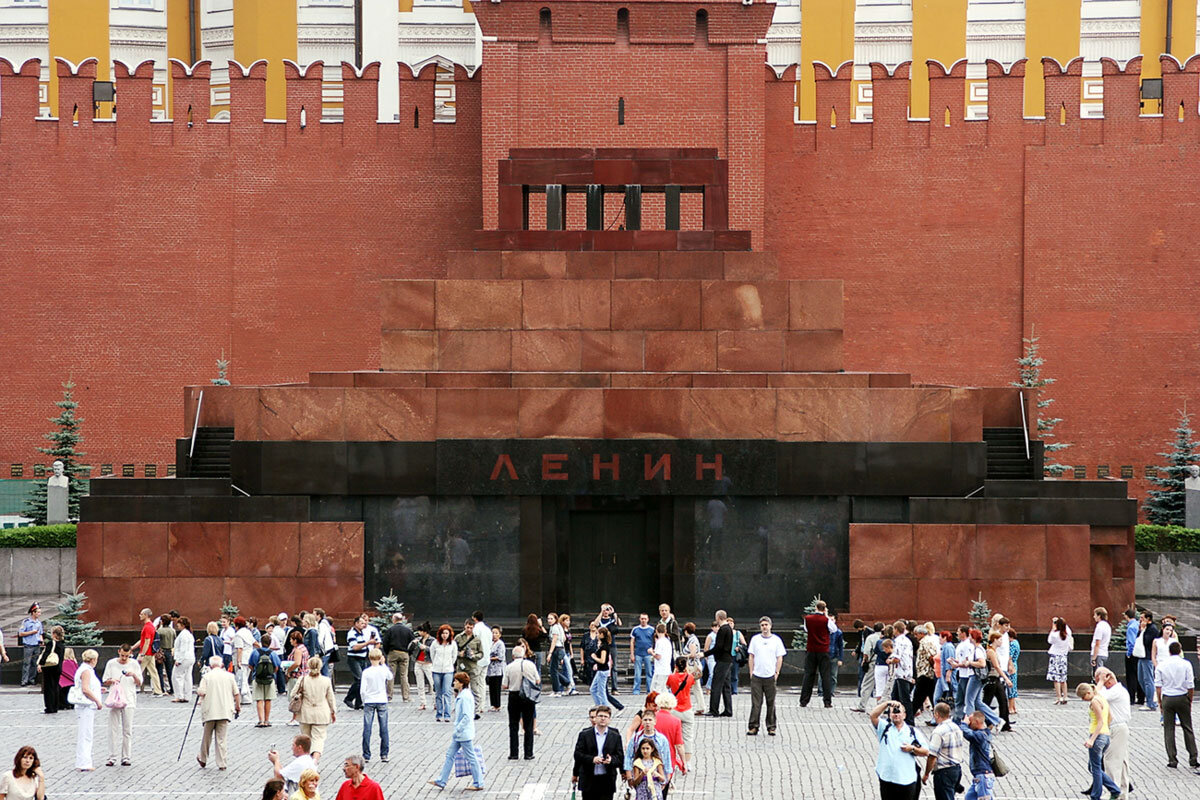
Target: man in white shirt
[(1002, 644), (279, 635), (243, 646), (902, 676), (964, 653), (481, 629), (766, 659), (360, 640), (1175, 685), (1100, 638), (301, 760), (373, 687), (127, 672), (1116, 758)]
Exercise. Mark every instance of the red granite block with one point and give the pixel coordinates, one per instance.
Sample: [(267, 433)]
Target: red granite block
[(611, 351), (199, 598), (696, 240), (730, 305), (476, 413), (816, 380), (1119, 595), (636, 264), (612, 240), (110, 603), (750, 351), (1108, 535), (1016, 552), (475, 305), (942, 599), (590, 265), (716, 208), (408, 350), (883, 598), (655, 305), (469, 380), (406, 305), (813, 351), (389, 380), (341, 595), (559, 380), (390, 415), (1100, 563), (1069, 599), (475, 350), (263, 596), (215, 410), (910, 415), (570, 413), (198, 549), (816, 305), (331, 379), (889, 380), (1124, 561), (681, 351), (651, 380), (135, 549), (613, 172), (495, 240), (1067, 552), (822, 415), (751, 266), (330, 549), (731, 413), (301, 413), (881, 551), (701, 265), (730, 241), (693, 172), (645, 414), (731, 380), (461, 264), (511, 207), (966, 416), (546, 351), (264, 549), (1012, 598), (247, 413), (651, 173), (944, 551), (521, 265), (89, 550), (566, 304), (1001, 407)]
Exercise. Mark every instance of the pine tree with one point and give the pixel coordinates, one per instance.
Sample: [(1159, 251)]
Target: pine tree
[(222, 371), (981, 616), (228, 609), (387, 605), (800, 637), (65, 439), (76, 632), (1031, 378), (1165, 505)]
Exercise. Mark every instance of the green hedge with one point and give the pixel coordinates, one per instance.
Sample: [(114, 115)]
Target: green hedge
[(38, 536), (1167, 538)]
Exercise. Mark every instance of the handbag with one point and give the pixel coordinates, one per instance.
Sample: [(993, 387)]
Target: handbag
[(116, 697), (296, 701), (531, 690), (999, 765), (51, 659), (462, 766), (76, 697)]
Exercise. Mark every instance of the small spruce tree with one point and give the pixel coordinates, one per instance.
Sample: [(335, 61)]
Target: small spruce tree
[(222, 371), (981, 615), (228, 609), (65, 439), (76, 632), (386, 606), (1165, 505), (1031, 378), (800, 637)]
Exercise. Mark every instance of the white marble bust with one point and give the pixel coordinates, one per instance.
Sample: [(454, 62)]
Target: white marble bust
[(1192, 481), (58, 478)]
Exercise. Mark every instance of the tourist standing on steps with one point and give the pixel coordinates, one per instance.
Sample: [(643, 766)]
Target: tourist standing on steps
[(86, 705), (1175, 687), (816, 658), (641, 653), (220, 703), (1117, 756), (375, 681), (521, 709), (1097, 740), (30, 636), (123, 673), (463, 737), (674, 632), (609, 620), (722, 653), (766, 659)]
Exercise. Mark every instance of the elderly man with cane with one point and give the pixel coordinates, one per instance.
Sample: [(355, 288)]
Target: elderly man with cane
[(219, 703)]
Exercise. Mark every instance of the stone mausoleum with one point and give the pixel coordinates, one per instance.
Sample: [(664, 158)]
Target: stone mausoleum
[(609, 394)]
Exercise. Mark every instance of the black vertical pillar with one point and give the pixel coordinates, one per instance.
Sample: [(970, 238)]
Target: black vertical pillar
[(556, 207), (672, 196), (633, 207), (595, 207)]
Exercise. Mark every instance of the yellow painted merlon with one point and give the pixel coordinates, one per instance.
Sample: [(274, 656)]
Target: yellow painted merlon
[(940, 33), (266, 29), (79, 30), (829, 38), (1051, 30)]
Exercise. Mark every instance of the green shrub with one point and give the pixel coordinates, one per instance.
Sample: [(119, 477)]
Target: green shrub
[(38, 536), (1167, 538)]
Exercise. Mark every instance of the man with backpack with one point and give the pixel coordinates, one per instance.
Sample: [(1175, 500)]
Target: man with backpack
[(264, 666)]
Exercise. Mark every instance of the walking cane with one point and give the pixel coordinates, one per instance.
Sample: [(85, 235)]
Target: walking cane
[(188, 729)]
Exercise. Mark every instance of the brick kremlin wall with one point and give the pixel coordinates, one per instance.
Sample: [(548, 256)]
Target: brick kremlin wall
[(951, 241)]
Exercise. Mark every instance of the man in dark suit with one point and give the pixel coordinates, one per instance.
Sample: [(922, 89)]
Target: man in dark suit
[(599, 756)]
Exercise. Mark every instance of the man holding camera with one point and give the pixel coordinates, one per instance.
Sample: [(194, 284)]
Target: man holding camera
[(900, 745)]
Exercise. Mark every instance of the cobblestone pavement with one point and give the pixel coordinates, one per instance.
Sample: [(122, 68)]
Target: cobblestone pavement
[(819, 753)]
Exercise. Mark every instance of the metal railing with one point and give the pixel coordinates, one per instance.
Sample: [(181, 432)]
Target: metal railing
[(196, 423), (1024, 424)]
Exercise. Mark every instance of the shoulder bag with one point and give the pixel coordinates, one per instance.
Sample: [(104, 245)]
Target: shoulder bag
[(999, 765), (51, 658), (296, 701), (531, 689)]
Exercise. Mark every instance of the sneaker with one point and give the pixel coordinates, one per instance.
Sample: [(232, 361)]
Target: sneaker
[(384, 759)]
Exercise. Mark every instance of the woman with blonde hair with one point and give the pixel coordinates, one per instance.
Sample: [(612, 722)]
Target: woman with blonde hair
[(1099, 720), (50, 665), (317, 708), (87, 703), (307, 786)]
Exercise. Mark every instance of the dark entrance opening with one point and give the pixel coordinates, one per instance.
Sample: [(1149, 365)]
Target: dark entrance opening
[(613, 559)]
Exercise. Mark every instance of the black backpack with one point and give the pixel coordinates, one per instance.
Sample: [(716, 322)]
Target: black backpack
[(264, 671)]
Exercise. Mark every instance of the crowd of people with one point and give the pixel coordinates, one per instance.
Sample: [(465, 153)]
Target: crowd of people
[(961, 683)]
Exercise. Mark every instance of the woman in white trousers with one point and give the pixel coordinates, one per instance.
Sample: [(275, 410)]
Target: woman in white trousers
[(185, 659), (85, 712)]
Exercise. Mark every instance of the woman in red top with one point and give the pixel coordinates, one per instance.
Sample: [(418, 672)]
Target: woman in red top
[(680, 684), (666, 723)]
